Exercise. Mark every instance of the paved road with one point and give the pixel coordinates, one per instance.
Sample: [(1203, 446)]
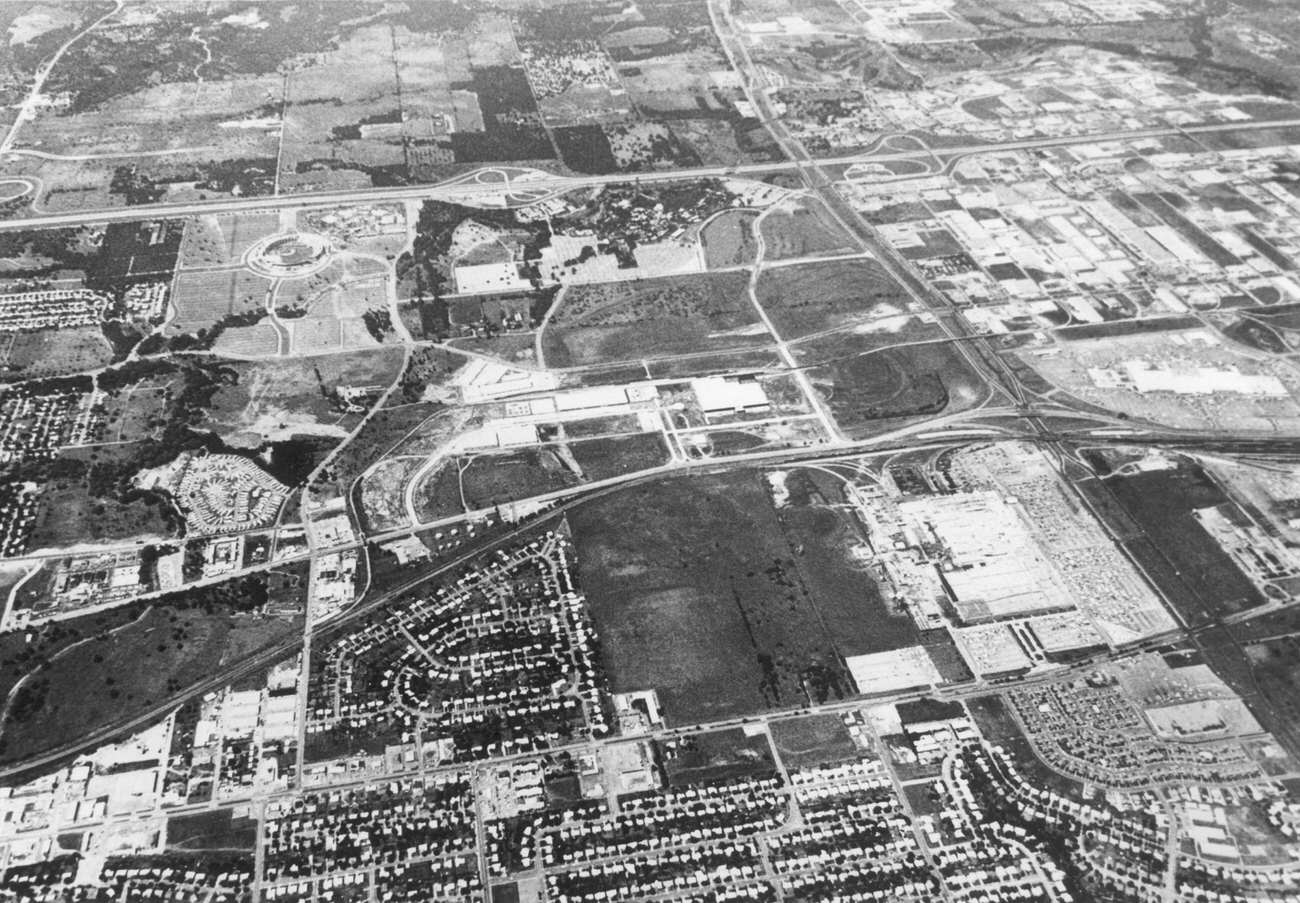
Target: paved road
[(465, 190)]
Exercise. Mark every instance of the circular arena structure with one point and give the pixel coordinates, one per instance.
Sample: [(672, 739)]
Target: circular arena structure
[(290, 255)]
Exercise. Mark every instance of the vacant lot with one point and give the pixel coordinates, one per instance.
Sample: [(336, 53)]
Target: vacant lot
[(115, 674), (716, 756), (871, 378), (697, 592), (813, 740), (651, 317), (811, 297), (601, 459), (1190, 567), (54, 352), (273, 400), (803, 231), (728, 239), (848, 598)]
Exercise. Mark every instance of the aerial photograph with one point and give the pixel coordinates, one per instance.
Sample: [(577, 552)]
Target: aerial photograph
[(689, 451)]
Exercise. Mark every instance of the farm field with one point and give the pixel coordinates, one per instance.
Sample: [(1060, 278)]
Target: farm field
[(697, 592), (807, 298)]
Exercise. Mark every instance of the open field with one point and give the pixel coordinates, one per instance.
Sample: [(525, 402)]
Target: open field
[(71, 512), (812, 740), (264, 401), (214, 240), (1185, 561), (728, 239), (601, 459), (803, 230), (607, 322), (203, 298), (54, 352), (848, 599), (115, 674), (207, 831), (811, 297), (875, 377), (697, 592)]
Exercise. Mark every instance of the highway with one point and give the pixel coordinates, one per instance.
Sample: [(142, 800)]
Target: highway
[(463, 189)]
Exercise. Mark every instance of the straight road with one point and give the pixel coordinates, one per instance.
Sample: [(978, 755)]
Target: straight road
[(464, 190)]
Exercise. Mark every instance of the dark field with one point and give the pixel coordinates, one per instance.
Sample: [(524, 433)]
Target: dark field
[(848, 598), (805, 298), (118, 672), (649, 318), (1188, 565), (698, 590), (715, 756), (865, 381), (601, 459), (215, 830), (497, 479)]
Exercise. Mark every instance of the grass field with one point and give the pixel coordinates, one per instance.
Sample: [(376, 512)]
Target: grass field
[(803, 231), (617, 321), (202, 298), (70, 513), (114, 674), (207, 831), (813, 740), (716, 756), (848, 599), (276, 398), (697, 592), (811, 297), (866, 381), (498, 479), (1188, 564), (601, 459), (54, 352), (728, 239)]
